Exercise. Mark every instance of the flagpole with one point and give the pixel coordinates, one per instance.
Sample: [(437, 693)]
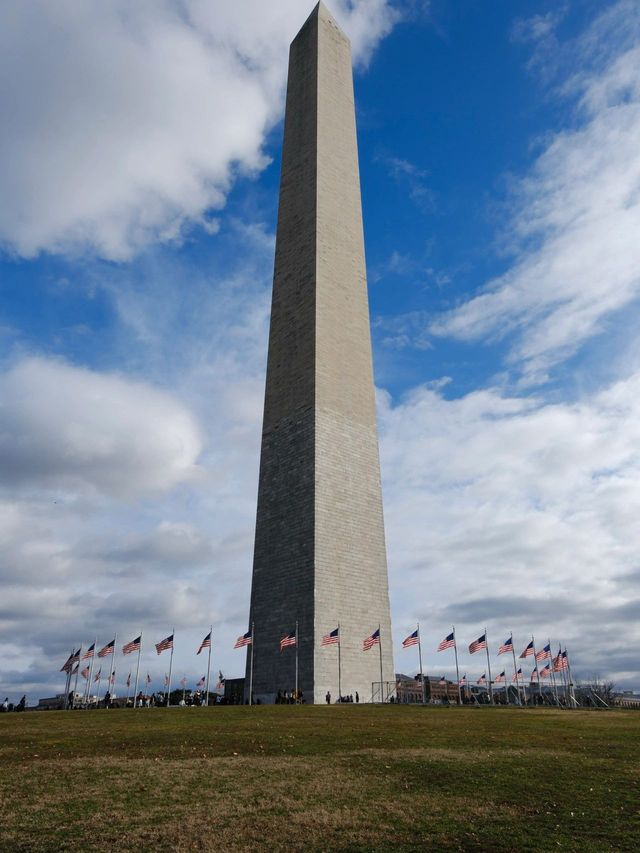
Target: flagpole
[(296, 699), (339, 665), (112, 677), (89, 682), (564, 679), (420, 659), (206, 701), (253, 640), (380, 651), (67, 680), (486, 648), (515, 670), (535, 657), (75, 686), (173, 642), (553, 675), (455, 649), (571, 690), (135, 689)]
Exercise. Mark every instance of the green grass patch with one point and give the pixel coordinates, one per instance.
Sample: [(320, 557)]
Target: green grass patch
[(320, 778)]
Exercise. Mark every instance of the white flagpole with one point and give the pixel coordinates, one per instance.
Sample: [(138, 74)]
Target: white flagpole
[(535, 657), (553, 675), (75, 686), (67, 680), (420, 659), (339, 665), (135, 689), (486, 645), (112, 677), (253, 640), (380, 650), (572, 693), (296, 699), (173, 642), (564, 680), (455, 649), (89, 682), (515, 670), (206, 701)]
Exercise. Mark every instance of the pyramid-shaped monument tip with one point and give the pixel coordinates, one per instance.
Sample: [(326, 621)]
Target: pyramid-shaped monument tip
[(322, 13)]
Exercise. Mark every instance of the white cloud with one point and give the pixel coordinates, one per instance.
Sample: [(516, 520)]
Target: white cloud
[(516, 513), (576, 224), (126, 123), (64, 427)]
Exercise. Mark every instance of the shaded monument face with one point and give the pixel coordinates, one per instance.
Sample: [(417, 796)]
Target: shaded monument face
[(319, 554)]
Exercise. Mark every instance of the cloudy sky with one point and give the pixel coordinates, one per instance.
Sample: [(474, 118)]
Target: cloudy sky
[(139, 163)]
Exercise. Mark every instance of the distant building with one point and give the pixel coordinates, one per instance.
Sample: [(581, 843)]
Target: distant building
[(409, 690)]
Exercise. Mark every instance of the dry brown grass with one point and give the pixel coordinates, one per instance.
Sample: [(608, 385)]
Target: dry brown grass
[(288, 778)]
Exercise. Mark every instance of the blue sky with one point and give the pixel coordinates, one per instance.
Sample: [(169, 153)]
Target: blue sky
[(500, 173)]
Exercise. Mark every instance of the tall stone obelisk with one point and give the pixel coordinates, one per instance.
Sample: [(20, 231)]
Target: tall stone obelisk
[(320, 557)]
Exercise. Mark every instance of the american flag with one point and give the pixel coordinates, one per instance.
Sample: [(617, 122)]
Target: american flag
[(165, 644), (66, 666), (133, 646), (220, 684), (244, 640), (371, 640), (545, 671), (90, 651), (112, 677), (75, 669), (288, 640), (507, 646), (74, 657), (85, 673), (545, 653), (331, 638), (480, 643), (482, 679), (412, 639), (166, 680), (205, 644), (500, 677), (443, 680), (202, 682), (183, 682), (107, 650), (534, 675), (128, 682), (148, 679), (463, 680), (528, 650), (517, 675), (98, 675), (448, 642), (560, 662)]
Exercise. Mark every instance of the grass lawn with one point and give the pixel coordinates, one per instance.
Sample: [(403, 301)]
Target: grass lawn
[(320, 778)]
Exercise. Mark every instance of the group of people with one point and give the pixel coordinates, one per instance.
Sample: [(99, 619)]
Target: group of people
[(290, 697), (348, 698), (8, 706)]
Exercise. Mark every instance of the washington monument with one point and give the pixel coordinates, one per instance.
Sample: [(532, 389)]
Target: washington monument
[(320, 558)]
